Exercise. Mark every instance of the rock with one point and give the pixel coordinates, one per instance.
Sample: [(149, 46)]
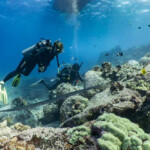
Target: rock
[(116, 87), (145, 60), (142, 115), (65, 88), (119, 73), (138, 83), (51, 113), (24, 117), (15, 144), (19, 102), (72, 106), (106, 67), (148, 96), (3, 124), (93, 78), (147, 68), (20, 127), (133, 63), (124, 102), (46, 138)]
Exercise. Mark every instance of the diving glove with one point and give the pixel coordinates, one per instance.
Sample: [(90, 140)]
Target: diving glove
[(16, 80), (3, 93)]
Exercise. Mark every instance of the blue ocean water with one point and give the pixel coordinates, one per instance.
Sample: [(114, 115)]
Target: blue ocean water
[(98, 27)]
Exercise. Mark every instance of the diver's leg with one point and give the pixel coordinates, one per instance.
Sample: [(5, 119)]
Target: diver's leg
[(28, 67), (10, 75), (15, 72)]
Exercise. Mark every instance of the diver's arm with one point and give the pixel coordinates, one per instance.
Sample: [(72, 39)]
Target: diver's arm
[(57, 61)]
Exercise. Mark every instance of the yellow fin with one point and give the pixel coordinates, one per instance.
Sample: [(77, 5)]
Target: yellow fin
[(16, 80)]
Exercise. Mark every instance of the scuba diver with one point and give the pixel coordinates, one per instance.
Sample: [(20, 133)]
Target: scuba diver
[(69, 74), (40, 54)]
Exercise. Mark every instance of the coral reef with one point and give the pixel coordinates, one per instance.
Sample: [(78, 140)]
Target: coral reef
[(91, 120), (108, 132), (145, 59), (117, 133), (25, 117), (91, 79), (20, 127), (72, 106), (65, 88), (123, 102), (51, 113), (19, 101)]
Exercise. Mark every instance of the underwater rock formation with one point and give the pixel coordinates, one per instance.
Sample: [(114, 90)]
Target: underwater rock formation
[(51, 113), (19, 101), (121, 101), (70, 6), (92, 78), (27, 117), (133, 63), (72, 106), (65, 88), (108, 132), (120, 72), (145, 59), (125, 92), (20, 127), (128, 54)]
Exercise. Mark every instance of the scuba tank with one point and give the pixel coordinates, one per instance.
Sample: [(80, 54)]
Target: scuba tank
[(34, 47)]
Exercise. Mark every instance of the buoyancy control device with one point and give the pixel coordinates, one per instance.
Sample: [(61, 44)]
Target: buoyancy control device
[(37, 46)]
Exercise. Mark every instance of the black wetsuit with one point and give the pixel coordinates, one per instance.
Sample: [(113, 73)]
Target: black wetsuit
[(41, 57), (67, 75)]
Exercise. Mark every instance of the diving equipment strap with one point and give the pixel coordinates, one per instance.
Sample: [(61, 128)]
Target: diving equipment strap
[(55, 99), (57, 61)]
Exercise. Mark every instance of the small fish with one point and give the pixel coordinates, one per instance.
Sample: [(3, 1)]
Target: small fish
[(106, 54), (120, 54), (149, 25), (94, 45), (143, 71), (139, 27)]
